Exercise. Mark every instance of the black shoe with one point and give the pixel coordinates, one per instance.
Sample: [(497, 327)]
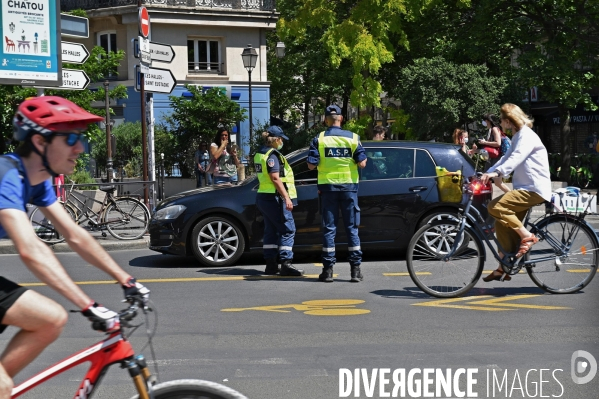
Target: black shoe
[(326, 276), (287, 269), (356, 274), (272, 267)]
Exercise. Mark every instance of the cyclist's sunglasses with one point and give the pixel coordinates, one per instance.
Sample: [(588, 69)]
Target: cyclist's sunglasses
[(72, 138)]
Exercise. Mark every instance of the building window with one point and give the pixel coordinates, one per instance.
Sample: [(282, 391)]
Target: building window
[(203, 56), (107, 40)]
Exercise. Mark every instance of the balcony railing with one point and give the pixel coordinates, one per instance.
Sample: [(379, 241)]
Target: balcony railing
[(205, 67), (262, 5)]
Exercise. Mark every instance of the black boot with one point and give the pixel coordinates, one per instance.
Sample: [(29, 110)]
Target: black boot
[(327, 275), (287, 269), (272, 267), (356, 274)]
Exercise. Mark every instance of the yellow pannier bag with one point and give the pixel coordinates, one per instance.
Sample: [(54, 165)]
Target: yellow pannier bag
[(449, 185)]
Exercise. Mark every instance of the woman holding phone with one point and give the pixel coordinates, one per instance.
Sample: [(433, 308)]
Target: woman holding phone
[(224, 157)]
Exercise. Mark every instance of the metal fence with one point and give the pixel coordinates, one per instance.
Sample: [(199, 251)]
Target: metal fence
[(262, 5)]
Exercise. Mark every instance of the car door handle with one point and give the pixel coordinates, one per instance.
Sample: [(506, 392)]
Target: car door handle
[(417, 189)]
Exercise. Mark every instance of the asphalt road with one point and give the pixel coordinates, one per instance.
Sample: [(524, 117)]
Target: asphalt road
[(289, 338)]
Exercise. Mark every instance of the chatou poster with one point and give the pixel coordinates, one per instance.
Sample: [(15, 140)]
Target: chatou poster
[(30, 32)]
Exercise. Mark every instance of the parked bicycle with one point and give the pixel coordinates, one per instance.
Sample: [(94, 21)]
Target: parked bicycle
[(116, 349), (446, 257), (125, 218)]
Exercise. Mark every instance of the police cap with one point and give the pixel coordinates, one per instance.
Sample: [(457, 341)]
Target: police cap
[(332, 109), (275, 131)]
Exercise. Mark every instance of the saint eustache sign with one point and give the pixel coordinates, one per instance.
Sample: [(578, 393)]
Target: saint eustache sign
[(156, 80)]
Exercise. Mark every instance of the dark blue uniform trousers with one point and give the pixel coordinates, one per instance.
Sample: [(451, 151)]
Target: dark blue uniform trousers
[(279, 228), (348, 202)]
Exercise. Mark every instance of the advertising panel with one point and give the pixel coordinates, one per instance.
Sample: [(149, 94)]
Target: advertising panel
[(30, 32)]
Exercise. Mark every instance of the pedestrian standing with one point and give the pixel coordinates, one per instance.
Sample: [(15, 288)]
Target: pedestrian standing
[(338, 153), (202, 160), (275, 200)]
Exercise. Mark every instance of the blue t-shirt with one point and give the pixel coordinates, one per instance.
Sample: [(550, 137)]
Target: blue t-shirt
[(15, 190), (314, 158)]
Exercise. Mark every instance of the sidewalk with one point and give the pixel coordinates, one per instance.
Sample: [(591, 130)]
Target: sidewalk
[(109, 243)]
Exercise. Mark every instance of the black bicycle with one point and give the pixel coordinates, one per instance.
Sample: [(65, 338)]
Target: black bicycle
[(125, 218), (446, 257)]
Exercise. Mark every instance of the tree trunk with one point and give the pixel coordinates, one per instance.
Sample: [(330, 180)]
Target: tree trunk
[(564, 118)]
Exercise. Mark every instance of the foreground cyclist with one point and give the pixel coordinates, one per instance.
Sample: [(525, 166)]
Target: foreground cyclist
[(527, 158), (50, 131)]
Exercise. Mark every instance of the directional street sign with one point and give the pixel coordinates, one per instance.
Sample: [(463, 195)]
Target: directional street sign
[(156, 80), (74, 53), (160, 51), (74, 79)]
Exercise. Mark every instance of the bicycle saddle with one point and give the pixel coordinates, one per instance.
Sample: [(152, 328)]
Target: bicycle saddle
[(107, 189)]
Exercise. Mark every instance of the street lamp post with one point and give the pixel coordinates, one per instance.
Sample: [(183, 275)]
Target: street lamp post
[(250, 56), (280, 49), (162, 176), (108, 139)]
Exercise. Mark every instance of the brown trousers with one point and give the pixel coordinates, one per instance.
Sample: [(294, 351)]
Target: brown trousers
[(509, 210)]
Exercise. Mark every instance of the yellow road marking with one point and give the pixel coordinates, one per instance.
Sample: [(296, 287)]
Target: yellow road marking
[(183, 279), (493, 304), (320, 307), (578, 270), (501, 302), (444, 303)]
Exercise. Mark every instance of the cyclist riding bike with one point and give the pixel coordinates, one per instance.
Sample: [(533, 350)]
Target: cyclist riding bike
[(50, 129), (527, 158)]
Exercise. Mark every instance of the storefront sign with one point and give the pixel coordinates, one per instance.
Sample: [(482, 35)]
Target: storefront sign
[(31, 53)]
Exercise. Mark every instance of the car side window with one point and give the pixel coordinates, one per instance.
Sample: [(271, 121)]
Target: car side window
[(388, 163), (302, 175), (425, 167)]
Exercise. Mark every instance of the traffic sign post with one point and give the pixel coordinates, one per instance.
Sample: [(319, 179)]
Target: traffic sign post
[(74, 53), (156, 80)]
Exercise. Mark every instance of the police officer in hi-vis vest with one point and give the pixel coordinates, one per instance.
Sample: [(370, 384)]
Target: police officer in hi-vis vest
[(275, 199), (338, 154)]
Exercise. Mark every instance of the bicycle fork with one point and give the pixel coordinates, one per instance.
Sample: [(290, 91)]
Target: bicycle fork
[(141, 376)]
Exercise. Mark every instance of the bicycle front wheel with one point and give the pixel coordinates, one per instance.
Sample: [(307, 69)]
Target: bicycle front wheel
[(435, 276), (576, 267), (44, 228), (127, 218), (193, 389)]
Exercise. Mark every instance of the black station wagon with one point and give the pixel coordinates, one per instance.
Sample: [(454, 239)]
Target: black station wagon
[(398, 192)]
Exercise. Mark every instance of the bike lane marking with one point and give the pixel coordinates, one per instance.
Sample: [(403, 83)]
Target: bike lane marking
[(318, 307), (493, 304)]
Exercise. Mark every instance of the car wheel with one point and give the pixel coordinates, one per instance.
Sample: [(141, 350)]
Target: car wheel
[(217, 241), (438, 215)]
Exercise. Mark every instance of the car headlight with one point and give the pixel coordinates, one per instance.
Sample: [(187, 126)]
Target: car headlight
[(170, 212)]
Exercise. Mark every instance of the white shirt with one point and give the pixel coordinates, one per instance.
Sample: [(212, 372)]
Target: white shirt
[(528, 159)]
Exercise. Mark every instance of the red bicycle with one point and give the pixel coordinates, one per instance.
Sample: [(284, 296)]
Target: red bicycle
[(116, 349)]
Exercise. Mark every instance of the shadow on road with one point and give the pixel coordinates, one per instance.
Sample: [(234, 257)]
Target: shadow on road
[(415, 292)]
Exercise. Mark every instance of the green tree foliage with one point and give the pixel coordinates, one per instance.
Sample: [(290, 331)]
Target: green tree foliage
[(441, 95), (365, 33), (196, 119)]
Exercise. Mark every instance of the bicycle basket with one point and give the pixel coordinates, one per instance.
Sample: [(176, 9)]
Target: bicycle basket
[(449, 185)]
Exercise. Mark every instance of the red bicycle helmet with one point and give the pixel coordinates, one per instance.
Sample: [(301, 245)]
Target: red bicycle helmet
[(50, 114)]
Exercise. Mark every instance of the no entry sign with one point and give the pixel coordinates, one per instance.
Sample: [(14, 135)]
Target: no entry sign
[(144, 22)]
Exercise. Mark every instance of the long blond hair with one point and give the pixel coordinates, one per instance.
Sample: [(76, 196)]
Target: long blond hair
[(514, 114)]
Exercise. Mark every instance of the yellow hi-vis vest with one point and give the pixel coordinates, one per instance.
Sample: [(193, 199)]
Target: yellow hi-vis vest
[(337, 165), (266, 185)]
